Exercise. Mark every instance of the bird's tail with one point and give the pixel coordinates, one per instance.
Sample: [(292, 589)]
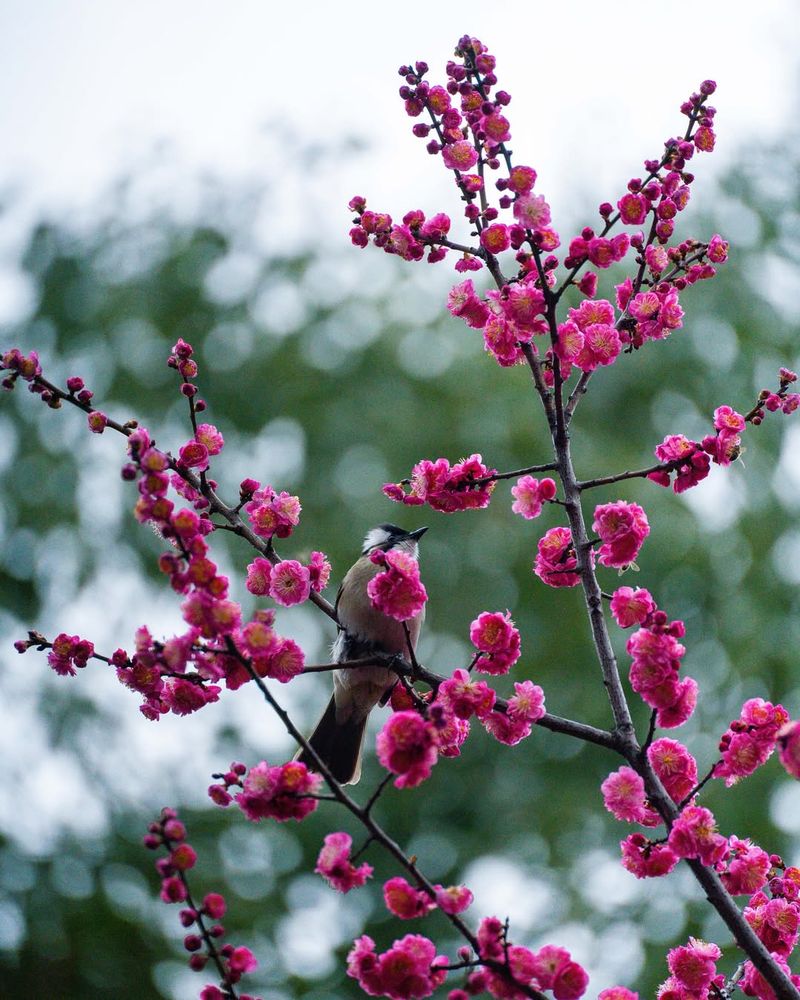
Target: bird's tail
[(338, 744)]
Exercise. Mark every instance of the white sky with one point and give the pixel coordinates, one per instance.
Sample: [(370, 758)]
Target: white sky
[(91, 86)]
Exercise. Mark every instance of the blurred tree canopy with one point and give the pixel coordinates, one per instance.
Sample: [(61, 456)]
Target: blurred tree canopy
[(331, 371)]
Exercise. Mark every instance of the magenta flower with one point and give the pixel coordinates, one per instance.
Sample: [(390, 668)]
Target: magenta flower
[(622, 528), (272, 513), (290, 583), (208, 435), (404, 901), (259, 572), (531, 494), (397, 591), (409, 970), (460, 155), (335, 866), (444, 488), (631, 607), (407, 747), (646, 859), (748, 867), (694, 835), (493, 634), (789, 748), (693, 966), (453, 899), (527, 703), (283, 793), (624, 797), (319, 571), (675, 767), (750, 740), (556, 562), (465, 697)]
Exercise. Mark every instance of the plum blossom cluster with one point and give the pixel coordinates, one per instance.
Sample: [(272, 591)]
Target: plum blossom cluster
[(509, 317), (282, 792), (467, 485), (691, 460), (510, 967), (288, 581), (410, 969), (201, 922), (407, 903), (660, 196), (69, 652), (624, 791), (271, 513), (750, 740), (656, 657)]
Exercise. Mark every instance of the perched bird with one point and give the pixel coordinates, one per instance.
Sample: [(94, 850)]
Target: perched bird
[(363, 631)]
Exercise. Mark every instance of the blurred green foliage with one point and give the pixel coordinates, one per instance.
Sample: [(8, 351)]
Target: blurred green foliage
[(331, 372)]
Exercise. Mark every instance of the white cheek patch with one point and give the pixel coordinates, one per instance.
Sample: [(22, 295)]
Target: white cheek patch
[(376, 536)]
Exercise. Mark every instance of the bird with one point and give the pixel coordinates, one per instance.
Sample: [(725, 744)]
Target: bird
[(363, 631)]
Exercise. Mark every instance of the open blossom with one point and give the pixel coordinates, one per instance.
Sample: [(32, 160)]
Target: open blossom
[(280, 792), (335, 866), (445, 488), (494, 635), (282, 661), (409, 970), (624, 795), (532, 211), (748, 867), (753, 983), (622, 528), (453, 899), (617, 993), (645, 858), (527, 703), (464, 302), (555, 563), (693, 966), (319, 571), (789, 748), (404, 901), (397, 591), (259, 572), (465, 697), (675, 766), (530, 495), (507, 728), (407, 747), (631, 607), (694, 835), (290, 583), (208, 435), (750, 740)]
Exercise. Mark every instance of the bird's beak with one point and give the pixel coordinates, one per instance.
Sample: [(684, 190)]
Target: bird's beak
[(416, 535)]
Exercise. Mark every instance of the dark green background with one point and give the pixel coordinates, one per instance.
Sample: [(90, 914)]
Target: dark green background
[(377, 375)]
